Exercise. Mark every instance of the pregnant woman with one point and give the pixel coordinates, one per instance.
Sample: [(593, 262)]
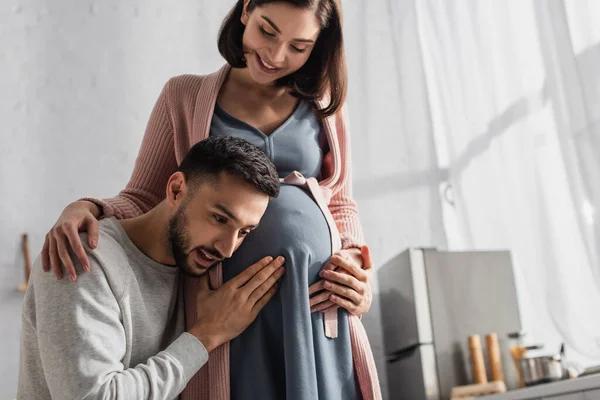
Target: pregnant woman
[(283, 89)]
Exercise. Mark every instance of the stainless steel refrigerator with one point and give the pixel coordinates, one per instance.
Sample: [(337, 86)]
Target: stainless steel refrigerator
[(431, 302)]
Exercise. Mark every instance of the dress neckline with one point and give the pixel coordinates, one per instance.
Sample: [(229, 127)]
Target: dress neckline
[(224, 114)]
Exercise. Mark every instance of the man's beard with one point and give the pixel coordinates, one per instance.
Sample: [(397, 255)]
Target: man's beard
[(180, 240)]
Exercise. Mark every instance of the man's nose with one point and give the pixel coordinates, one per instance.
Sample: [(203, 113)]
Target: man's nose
[(226, 245)]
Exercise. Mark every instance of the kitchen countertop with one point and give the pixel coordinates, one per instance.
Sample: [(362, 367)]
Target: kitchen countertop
[(586, 383)]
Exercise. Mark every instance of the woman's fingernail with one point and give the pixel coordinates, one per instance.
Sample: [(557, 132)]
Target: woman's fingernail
[(94, 242), (72, 277), (57, 276), (327, 284)]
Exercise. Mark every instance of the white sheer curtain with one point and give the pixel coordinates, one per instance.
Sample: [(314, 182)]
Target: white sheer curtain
[(514, 94)]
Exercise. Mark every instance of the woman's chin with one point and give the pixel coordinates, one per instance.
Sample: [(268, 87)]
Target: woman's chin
[(259, 76), (262, 79)]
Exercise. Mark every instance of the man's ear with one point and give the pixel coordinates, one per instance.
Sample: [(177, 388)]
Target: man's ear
[(176, 188), (245, 14)]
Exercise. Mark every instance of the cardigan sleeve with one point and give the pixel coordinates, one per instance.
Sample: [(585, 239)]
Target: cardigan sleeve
[(155, 163), (342, 206)]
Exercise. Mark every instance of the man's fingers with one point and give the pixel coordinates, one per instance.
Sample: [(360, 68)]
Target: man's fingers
[(243, 277), (262, 276), (260, 304), (260, 291)]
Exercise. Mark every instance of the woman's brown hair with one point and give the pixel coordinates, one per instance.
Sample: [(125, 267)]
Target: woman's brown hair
[(324, 73)]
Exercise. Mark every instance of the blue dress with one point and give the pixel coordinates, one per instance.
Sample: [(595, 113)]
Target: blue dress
[(284, 353)]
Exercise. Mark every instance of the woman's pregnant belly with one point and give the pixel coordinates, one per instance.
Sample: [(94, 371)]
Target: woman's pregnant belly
[(293, 226), (281, 341)]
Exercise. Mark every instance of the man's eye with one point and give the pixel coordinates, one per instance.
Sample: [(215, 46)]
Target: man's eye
[(220, 219)]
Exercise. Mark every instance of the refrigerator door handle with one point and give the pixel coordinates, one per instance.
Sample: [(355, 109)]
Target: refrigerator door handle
[(405, 352)]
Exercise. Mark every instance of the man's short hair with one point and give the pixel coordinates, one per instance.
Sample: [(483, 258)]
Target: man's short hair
[(207, 159)]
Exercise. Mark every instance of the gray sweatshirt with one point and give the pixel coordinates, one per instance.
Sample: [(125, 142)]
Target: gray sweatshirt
[(115, 333)]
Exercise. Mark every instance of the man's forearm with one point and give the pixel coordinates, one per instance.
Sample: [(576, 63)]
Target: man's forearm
[(163, 376)]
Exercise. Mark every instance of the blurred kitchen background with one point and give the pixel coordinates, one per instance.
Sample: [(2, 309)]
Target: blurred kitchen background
[(475, 126)]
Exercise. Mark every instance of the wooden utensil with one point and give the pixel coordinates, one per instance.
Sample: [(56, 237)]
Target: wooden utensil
[(493, 349), (25, 248), (469, 392), (517, 352), (477, 363)]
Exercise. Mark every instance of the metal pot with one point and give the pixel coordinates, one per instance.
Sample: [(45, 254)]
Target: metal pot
[(544, 369)]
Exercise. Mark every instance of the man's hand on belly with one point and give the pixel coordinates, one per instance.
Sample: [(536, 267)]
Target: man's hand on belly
[(224, 313)]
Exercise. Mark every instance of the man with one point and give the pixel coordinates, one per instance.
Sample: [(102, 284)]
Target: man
[(119, 331)]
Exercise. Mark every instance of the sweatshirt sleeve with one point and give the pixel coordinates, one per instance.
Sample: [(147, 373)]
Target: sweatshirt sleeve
[(155, 163), (81, 341)]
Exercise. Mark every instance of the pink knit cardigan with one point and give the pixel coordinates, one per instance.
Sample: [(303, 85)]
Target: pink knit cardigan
[(181, 118)]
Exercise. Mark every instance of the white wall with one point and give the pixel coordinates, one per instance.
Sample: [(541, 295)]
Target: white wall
[(77, 84)]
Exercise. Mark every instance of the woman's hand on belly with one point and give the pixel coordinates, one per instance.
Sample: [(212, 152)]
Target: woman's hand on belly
[(346, 283)]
